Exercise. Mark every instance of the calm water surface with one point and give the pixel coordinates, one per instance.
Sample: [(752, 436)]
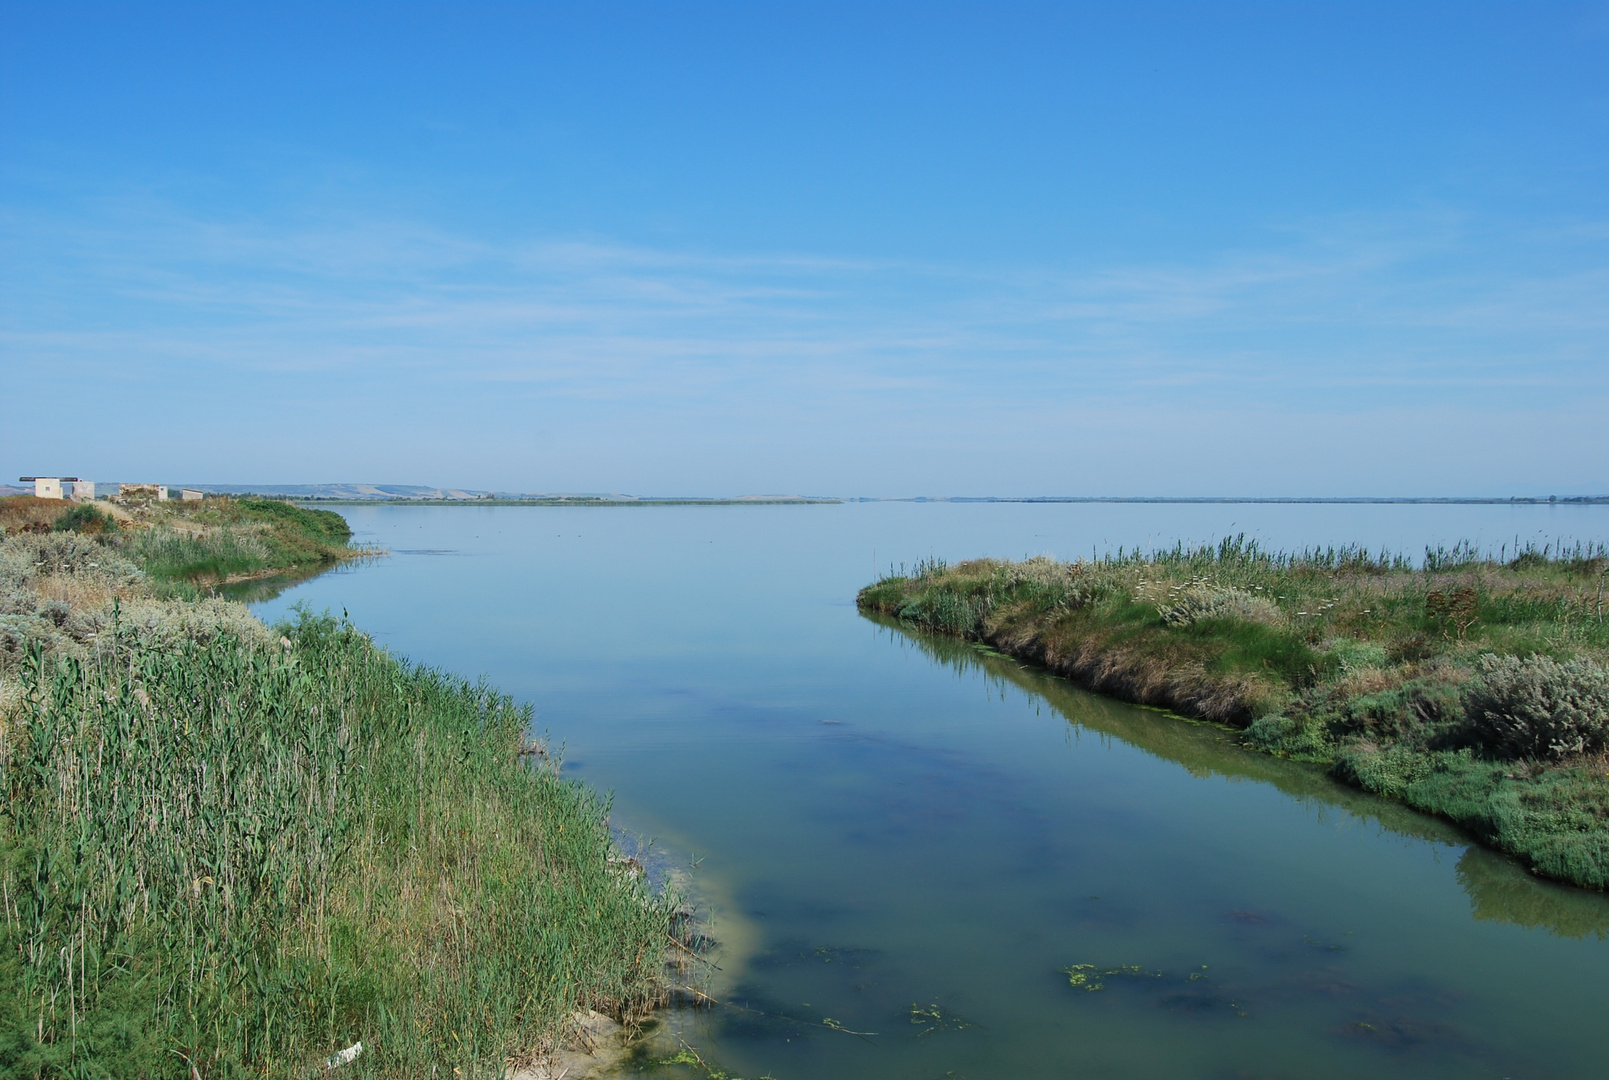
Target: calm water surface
[(915, 839)]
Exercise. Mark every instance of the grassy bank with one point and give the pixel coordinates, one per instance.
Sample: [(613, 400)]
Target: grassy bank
[(222, 539), (228, 850), (196, 545), (1469, 687)]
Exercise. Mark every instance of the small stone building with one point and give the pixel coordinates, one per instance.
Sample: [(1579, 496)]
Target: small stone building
[(191, 494), (158, 492)]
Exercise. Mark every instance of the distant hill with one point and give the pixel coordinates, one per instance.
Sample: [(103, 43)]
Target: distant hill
[(341, 491)]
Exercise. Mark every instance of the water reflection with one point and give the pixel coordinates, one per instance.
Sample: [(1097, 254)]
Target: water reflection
[(1499, 889), (262, 589)]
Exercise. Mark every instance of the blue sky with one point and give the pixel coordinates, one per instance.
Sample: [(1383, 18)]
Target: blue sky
[(859, 249)]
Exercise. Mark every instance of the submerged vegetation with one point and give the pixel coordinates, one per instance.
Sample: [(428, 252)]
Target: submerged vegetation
[(1471, 687), (227, 850)]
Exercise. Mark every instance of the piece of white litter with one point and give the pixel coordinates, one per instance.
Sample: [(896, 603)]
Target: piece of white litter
[(344, 1057)]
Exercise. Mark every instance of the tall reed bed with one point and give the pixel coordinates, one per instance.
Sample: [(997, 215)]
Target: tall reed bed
[(229, 860), (217, 554)]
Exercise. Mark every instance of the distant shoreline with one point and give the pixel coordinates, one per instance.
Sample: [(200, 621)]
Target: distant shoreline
[(1574, 500), (553, 502), (1362, 500), (485, 499)]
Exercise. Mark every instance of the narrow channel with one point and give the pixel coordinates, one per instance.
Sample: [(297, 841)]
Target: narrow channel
[(925, 860)]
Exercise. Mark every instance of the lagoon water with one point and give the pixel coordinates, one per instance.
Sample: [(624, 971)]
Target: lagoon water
[(916, 840)]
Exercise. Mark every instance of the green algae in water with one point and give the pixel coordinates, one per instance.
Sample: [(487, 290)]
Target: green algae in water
[(1193, 991), (933, 1018), (1090, 978), (686, 1056)]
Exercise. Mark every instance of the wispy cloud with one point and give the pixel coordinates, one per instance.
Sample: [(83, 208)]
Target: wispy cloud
[(1346, 308)]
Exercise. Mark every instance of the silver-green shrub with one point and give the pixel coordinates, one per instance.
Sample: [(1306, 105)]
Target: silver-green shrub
[(1051, 584), (1539, 708), (1196, 602), (1043, 571), (170, 624), (91, 623), (27, 557)]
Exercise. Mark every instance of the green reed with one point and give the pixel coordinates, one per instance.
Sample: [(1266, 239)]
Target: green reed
[(220, 538), (218, 553), (226, 860)]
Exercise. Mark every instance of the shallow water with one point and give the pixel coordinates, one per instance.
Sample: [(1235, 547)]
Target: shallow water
[(914, 838)]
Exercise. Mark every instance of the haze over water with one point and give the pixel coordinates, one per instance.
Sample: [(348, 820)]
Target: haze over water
[(914, 839)]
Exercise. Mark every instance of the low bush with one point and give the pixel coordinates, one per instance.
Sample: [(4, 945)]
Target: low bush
[(1199, 602), (1539, 708), (26, 559), (1391, 771), (1421, 712), (86, 519), (75, 598), (326, 524), (1555, 820), (1303, 738)]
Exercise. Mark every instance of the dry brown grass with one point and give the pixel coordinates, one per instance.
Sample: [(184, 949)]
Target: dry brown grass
[(80, 594), (24, 513), (1360, 682)]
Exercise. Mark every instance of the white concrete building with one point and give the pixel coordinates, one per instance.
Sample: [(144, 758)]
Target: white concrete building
[(48, 487), (191, 494)]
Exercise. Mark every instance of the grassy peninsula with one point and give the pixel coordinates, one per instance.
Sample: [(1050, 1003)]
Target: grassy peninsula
[(190, 546), (1471, 687), (229, 850)]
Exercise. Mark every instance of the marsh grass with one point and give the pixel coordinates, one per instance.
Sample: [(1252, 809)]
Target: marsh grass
[(188, 548), (216, 555), (220, 539), (242, 858), (1367, 662), (230, 851)]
